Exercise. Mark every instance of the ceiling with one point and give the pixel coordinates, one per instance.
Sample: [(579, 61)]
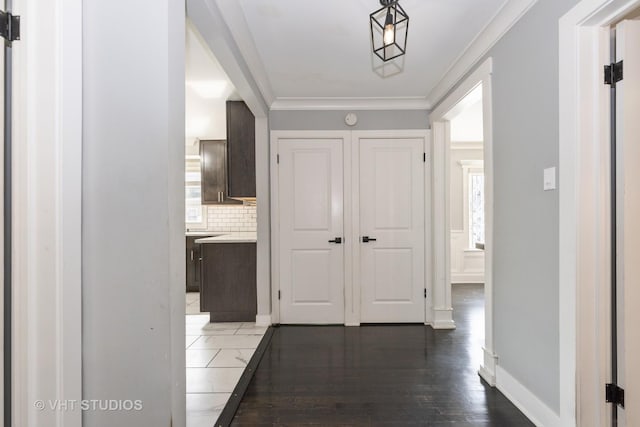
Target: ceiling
[(466, 124), (322, 49), (207, 88)]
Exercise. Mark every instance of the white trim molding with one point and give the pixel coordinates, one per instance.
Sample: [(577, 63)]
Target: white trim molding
[(336, 103), (487, 370), (239, 28), (507, 16), (263, 320), (47, 209), (441, 205), (584, 236), (502, 21), (443, 319), (536, 410), (208, 19)]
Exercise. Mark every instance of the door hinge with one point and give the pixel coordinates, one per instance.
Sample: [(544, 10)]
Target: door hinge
[(278, 158), (424, 157), (613, 73), (278, 294), (425, 292), (614, 394), (9, 26)]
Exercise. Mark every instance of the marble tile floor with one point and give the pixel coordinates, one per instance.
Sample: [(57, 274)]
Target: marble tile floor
[(192, 303), (216, 356)]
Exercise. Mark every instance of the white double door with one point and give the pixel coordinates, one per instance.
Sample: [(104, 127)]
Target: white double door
[(381, 235)]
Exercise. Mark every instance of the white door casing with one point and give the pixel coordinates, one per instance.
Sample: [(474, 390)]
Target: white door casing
[(628, 222), (311, 215), (351, 245), (391, 189)]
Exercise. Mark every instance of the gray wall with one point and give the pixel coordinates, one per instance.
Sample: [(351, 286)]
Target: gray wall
[(334, 120), (525, 129), (133, 216)]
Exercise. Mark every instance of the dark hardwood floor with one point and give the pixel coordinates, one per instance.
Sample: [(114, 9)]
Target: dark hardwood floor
[(378, 375)]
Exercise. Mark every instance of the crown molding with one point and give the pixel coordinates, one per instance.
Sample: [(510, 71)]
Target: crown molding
[(504, 19), (233, 15), (337, 103), (500, 24)]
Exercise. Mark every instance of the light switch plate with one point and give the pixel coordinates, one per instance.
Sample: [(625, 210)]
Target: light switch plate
[(549, 179)]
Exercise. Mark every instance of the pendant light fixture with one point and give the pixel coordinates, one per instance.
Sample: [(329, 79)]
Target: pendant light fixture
[(389, 29)]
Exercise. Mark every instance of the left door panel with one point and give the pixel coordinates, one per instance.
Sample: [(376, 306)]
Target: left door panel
[(311, 222)]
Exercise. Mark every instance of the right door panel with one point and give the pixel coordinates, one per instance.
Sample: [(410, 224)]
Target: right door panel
[(392, 253)]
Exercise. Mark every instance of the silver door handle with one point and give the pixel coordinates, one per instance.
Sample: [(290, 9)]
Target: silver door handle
[(191, 254)]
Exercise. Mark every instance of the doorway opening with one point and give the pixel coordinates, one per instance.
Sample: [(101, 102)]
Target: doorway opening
[(463, 252), (466, 190), (220, 234)]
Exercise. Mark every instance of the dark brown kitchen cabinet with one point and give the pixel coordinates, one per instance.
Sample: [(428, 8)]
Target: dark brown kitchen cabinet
[(213, 166), (241, 150), (193, 263), (228, 290)]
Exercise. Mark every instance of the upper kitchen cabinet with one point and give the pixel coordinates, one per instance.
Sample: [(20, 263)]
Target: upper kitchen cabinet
[(241, 143), (213, 162)]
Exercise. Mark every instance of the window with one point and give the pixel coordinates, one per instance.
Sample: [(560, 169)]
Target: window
[(195, 216), (473, 201), (476, 208)]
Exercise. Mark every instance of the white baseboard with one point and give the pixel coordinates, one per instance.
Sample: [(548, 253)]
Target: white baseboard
[(443, 319), (263, 320), (530, 405), (488, 368), (467, 278)]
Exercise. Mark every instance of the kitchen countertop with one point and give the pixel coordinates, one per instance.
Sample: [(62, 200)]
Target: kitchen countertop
[(197, 233), (230, 237)]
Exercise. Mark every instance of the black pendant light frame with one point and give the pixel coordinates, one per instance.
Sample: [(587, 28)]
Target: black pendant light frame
[(400, 17)]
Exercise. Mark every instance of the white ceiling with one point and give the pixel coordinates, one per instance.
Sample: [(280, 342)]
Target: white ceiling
[(467, 126), (466, 122), (206, 91), (311, 49)]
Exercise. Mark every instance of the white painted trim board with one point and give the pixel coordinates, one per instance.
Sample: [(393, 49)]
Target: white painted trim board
[(442, 252), (584, 170), (536, 410), (47, 179)]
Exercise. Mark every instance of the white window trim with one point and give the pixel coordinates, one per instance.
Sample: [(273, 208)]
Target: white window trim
[(468, 167), (201, 225)]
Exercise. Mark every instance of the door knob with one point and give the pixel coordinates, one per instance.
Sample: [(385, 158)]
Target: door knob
[(367, 239), (337, 240)]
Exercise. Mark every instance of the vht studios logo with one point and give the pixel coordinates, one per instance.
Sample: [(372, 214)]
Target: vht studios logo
[(89, 405)]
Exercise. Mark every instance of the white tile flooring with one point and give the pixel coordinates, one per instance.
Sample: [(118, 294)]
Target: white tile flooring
[(216, 356), (193, 303)]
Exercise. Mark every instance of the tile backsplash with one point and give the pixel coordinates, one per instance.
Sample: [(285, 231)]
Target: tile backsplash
[(231, 218)]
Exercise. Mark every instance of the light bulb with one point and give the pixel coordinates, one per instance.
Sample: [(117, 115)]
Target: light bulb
[(389, 34)]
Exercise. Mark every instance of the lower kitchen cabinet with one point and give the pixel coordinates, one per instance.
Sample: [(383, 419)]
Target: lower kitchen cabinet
[(228, 289), (193, 264)]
